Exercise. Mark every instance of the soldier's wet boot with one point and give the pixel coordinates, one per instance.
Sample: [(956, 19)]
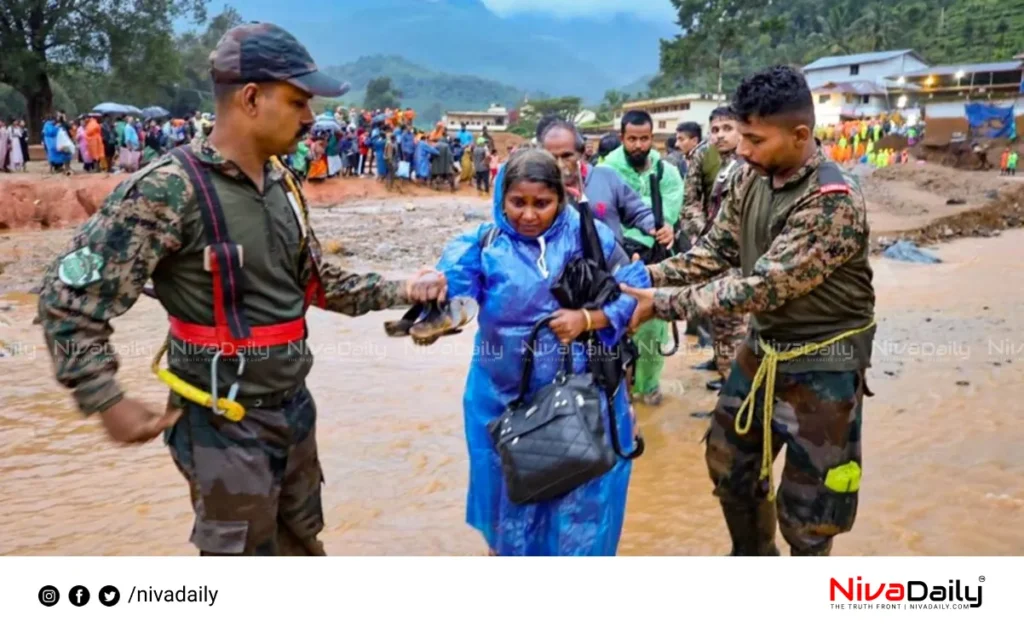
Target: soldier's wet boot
[(751, 527)]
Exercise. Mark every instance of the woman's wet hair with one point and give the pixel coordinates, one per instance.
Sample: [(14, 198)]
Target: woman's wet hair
[(533, 165)]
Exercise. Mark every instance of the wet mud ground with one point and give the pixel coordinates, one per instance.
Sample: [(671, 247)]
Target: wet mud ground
[(943, 458)]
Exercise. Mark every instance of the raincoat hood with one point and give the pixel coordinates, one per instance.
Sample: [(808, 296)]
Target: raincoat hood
[(506, 227)]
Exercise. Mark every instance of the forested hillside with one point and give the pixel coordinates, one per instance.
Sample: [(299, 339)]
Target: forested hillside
[(729, 38)]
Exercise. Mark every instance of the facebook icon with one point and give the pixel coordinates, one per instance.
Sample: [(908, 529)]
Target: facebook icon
[(78, 595)]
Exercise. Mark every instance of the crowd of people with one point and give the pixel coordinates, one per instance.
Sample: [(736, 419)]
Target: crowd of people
[(13, 146), (388, 145), (105, 143), (857, 141)]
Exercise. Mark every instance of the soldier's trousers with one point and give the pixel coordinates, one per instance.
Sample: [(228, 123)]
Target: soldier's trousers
[(255, 484), (727, 334), (817, 416), (649, 338)]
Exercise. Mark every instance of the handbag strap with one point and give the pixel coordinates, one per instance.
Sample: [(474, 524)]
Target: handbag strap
[(528, 360)]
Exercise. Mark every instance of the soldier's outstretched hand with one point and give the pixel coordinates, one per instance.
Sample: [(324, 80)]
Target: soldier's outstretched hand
[(644, 307), (427, 285), (131, 422)]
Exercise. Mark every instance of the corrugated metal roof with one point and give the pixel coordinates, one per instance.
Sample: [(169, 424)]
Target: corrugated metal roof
[(860, 58), (952, 69), (851, 87)]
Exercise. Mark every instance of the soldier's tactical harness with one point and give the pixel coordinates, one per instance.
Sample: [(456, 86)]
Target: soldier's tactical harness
[(845, 478), (231, 332)]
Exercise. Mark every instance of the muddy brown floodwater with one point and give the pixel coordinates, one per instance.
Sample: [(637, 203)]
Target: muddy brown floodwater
[(944, 465)]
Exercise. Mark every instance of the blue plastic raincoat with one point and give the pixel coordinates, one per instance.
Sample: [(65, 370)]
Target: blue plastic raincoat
[(53, 155), (511, 280), (421, 161)]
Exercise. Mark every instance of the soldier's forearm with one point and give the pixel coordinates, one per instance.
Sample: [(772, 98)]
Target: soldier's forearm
[(695, 266), (79, 347), (356, 295), (98, 394)]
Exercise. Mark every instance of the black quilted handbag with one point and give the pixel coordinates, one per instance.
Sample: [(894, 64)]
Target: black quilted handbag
[(557, 442)]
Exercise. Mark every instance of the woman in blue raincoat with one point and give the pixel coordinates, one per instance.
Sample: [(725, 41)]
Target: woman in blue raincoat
[(509, 270), (421, 160), (56, 158)]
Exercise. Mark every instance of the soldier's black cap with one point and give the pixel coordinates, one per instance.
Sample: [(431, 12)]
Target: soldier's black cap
[(261, 52)]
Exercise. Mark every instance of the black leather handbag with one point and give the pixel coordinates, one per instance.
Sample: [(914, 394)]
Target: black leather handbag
[(557, 441)]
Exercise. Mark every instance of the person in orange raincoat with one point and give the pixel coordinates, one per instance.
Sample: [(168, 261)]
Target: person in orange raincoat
[(94, 139), (1004, 161), (439, 132), (317, 160)]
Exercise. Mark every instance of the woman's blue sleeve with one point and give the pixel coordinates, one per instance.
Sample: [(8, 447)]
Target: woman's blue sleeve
[(461, 264)]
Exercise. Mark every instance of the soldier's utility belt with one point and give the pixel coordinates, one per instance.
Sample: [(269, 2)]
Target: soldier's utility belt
[(765, 375), (231, 333)]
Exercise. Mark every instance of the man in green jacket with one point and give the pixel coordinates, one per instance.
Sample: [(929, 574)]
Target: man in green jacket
[(636, 161)]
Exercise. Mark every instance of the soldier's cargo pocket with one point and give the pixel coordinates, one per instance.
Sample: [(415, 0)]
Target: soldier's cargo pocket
[(835, 508), (220, 537)]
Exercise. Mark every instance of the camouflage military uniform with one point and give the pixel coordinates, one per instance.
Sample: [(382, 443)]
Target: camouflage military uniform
[(702, 166), (727, 330), (802, 250), (255, 484)]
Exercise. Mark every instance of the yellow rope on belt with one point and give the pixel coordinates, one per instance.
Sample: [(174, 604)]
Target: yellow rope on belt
[(766, 375), (232, 410)]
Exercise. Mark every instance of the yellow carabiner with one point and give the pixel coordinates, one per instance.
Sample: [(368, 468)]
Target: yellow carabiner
[(232, 410)]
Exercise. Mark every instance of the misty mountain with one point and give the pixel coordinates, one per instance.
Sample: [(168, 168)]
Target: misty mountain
[(535, 52), (427, 91)]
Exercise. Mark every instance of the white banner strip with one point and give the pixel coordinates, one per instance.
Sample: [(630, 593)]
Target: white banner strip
[(486, 595)]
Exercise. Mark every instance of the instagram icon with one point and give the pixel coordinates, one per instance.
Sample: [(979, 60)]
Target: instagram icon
[(49, 596)]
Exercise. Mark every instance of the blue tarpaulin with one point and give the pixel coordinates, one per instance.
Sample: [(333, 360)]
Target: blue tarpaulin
[(907, 251), (990, 121)]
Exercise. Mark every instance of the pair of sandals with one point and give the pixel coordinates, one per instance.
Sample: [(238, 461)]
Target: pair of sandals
[(426, 323)]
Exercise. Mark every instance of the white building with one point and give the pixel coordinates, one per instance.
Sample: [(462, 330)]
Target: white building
[(862, 67), (495, 118), (835, 101), (856, 86), (669, 112)]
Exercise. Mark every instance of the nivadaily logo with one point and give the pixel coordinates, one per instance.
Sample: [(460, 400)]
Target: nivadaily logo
[(913, 594)]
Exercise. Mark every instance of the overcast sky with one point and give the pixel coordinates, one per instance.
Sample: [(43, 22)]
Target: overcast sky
[(660, 9)]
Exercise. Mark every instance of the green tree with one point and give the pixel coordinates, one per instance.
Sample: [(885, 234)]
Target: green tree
[(381, 95), (39, 36), (567, 108), (715, 31)]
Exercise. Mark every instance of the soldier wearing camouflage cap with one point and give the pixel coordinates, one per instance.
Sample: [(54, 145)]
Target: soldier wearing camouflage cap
[(222, 228), (796, 226)]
